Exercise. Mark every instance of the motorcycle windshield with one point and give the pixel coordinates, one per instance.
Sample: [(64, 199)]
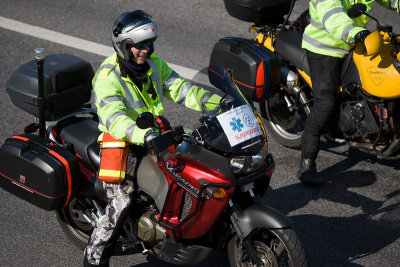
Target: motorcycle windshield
[(232, 125)]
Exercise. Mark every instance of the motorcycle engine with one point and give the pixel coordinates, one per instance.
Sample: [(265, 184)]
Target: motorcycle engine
[(356, 120), (149, 231)]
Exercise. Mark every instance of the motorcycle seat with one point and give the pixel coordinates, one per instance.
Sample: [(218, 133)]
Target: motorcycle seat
[(82, 133), (93, 152), (288, 46)]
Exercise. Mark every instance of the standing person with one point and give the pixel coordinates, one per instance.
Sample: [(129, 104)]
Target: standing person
[(131, 81), (326, 40)]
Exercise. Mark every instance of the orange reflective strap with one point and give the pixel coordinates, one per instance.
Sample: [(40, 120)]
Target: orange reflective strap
[(114, 155)]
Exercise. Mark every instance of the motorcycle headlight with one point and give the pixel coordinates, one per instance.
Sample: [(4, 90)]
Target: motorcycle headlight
[(245, 164), (258, 160), (237, 164)]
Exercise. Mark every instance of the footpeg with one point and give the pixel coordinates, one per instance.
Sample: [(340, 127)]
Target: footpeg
[(128, 246), (133, 241)]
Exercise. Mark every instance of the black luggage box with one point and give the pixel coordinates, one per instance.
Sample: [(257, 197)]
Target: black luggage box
[(67, 85), (258, 11), (39, 172), (255, 68)]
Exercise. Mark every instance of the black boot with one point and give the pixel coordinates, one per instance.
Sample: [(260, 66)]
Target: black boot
[(308, 174)]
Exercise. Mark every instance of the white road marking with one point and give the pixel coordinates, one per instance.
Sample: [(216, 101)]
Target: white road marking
[(74, 42)]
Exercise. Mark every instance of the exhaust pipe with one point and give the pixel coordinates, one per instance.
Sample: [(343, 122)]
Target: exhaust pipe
[(289, 81)]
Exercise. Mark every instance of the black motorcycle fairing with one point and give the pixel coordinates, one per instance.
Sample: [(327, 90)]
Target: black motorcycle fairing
[(217, 141), (215, 138), (206, 157), (178, 253), (259, 216)]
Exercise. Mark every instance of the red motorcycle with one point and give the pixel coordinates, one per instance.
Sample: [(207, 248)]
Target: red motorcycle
[(197, 192)]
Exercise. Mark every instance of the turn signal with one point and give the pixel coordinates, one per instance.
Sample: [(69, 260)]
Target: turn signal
[(219, 193)]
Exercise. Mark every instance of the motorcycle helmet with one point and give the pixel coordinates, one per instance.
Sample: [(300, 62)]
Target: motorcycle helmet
[(132, 28)]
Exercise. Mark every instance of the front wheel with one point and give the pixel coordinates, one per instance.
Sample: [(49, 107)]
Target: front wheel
[(274, 247)]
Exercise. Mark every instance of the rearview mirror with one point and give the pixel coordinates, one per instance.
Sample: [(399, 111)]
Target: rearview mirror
[(356, 10), (145, 120)]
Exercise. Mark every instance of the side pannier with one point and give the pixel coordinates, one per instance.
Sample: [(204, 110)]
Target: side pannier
[(39, 172), (255, 68)]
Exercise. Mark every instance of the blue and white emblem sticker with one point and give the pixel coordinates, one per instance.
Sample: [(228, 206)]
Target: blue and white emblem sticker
[(239, 125)]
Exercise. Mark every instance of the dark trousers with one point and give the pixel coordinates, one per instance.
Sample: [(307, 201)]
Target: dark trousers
[(325, 77)]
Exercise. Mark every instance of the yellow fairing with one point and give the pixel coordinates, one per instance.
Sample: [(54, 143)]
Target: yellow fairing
[(377, 73), (306, 77), (373, 43)]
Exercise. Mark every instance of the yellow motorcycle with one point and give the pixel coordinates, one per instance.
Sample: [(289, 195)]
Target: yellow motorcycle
[(368, 113)]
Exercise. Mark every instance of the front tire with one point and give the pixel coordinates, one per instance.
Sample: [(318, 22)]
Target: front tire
[(274, 247)]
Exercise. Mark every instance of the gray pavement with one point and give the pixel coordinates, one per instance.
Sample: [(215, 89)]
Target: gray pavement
[(353, 220)]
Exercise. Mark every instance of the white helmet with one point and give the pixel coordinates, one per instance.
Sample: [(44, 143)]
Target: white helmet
[(132, 28)]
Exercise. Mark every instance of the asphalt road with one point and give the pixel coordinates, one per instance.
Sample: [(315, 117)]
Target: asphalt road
[(353, 220)]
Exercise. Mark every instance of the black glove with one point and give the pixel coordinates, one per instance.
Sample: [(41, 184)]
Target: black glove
[(360, 37)]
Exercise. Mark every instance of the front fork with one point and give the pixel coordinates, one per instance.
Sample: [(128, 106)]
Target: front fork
[(256, 216), (236, 216)]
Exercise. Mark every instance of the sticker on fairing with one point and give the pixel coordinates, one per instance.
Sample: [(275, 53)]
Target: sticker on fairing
[(239, 124)]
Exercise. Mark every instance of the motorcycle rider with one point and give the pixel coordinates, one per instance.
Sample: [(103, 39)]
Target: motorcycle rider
[(327, 41), (131, 81)]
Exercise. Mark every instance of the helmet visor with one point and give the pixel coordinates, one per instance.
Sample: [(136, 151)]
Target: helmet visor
[(143, 45)]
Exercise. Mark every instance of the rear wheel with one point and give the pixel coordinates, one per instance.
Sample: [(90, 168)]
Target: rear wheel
[(285, 124), (76, 221), (274, 247)]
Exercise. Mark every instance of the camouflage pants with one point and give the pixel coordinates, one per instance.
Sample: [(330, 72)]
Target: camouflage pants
[(106, 232)]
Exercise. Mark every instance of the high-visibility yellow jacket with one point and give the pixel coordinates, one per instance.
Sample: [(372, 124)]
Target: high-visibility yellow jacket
[(331, 29), (119, 101)]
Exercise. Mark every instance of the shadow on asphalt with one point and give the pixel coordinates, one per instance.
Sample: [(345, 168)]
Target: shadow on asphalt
[(340, 240), (355, 156)]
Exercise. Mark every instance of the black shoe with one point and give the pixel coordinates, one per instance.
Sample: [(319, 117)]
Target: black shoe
[(308, 174)]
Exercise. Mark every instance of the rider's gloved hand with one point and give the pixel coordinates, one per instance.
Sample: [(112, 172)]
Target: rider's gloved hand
[(360, 37), (149, 137)]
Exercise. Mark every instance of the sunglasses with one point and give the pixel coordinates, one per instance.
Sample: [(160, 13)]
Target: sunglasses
[(146, 45)]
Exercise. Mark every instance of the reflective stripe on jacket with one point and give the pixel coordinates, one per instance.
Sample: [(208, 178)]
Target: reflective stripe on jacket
[(331, 29), (119, 101)]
